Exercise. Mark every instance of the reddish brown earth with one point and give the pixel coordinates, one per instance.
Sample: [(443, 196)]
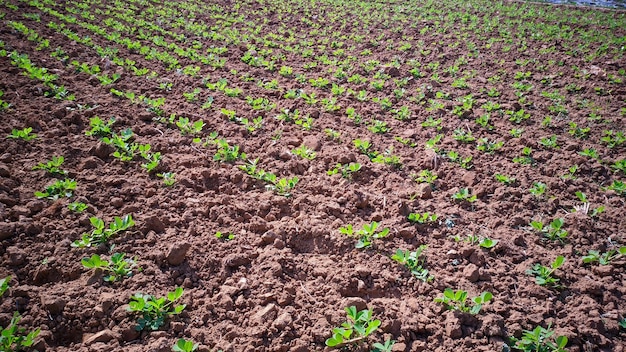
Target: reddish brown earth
[(282, 283)]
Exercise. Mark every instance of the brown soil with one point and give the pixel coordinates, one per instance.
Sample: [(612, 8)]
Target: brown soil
[(282, 283)]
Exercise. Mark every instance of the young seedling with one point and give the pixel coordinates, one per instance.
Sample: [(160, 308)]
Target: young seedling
[(356, 329), (77, 207), (426, 176), (618, 187), (538, 189), (543, 274), (333, 135), (187, 127), (227, 153), (414, 262), (12, 338), (463, 195), (554, 231), (53, 166), (604, 258), (24, 134), (4, 285), (383, 347), (169, 178), (366, 234), (183, 345), (347, 170), (224, 236), (483, 242), (283, 186), (504, 179), (100, 234), (118, 268), (540, 340), (456, 300), (154, 310), (423, 218), (304, 152), (99, 128), (484, 145), (60, 188)]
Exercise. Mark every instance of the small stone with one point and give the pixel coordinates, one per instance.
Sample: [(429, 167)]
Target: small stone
[(178, 251), (358, 302), (265, 314), (283, 321), (7, 229), (130, 334), (16, 256), (453, 326), (4, 171), (90, 163), (471, 273), (236, 259), (102, 336), (54, 305), (312, 142), (35, 206), (117, 202), (424, 191), (102, 150), (154, 223)]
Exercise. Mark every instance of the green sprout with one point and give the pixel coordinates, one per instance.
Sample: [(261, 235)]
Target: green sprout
[(365, 234), (357, 328), (456, 300), (154, 310)]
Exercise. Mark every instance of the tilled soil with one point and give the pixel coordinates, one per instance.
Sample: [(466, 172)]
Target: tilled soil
[(282, 282)]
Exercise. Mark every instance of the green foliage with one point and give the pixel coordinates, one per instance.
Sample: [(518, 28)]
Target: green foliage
[(540, 340), (12, 338), (189, 127), (77, 207), (618, 187), (24, 134), (304, 152), (464, 195), (543, 274), (183, 345), (357, 328), (99, 128), (489, 147), (60, 188), (538, 189), (100, 234), (169, 178), (423, 218), (504, 179), (414, 261), (553, 231), (154, 310), (365, 234), (426, 176), (604, 258), (118, 268), (224, 236), (282, 186), (53, 166), (227, 153), (383, 347), (4, 285), (456, 300), (346, 170)]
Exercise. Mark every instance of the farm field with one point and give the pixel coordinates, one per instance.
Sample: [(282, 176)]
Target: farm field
[(455, 168)]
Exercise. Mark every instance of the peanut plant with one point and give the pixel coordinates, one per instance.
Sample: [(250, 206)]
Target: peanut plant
[(456, 300), (357, 328), (118, 268), (60, 188), (53, 167), (543, 274), (154, 310), (414, 261), (365, 234), (540, 340), (23, 134), (100, 234)]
